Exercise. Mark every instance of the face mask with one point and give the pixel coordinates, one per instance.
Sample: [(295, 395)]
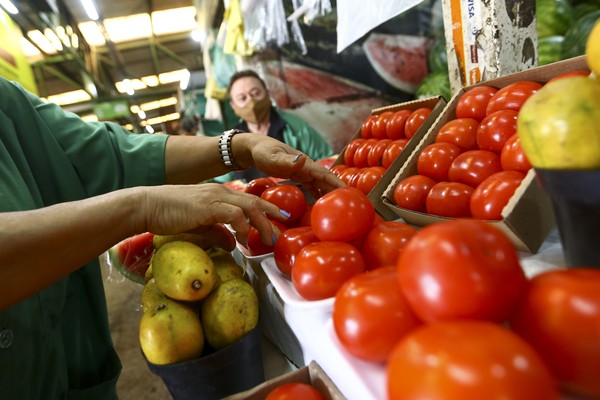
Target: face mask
[(254, 111)]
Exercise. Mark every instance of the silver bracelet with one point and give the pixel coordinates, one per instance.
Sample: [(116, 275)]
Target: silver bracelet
[(225, 149)]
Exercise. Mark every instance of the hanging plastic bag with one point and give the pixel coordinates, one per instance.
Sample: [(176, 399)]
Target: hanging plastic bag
[(309, 9), (264, 23)]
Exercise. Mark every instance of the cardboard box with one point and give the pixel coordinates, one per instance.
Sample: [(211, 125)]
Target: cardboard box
[(528, 217), (488, 39), (311, 374), (437, 105)]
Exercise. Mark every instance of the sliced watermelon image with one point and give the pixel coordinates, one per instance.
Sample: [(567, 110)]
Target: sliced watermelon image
[(131, 257)]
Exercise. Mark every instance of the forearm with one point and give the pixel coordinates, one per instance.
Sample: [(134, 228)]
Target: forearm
[(39, 247)]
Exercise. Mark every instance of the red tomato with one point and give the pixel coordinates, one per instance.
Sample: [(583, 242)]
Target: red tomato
[(348, 173), (295, 391), (337, 169), (496, 129), (513, 157), (392, 151), (255, 244), (474, 166), (370, 314), (461, 132), (288, 244), (384, 243), (560, 318), (467, 360), (351, 150), (411, 193), (369, 178), (435, 160), (287, 197), (353, 181), (305, 219), (361, 156), (343, 214), (473, 103), (367, 126), (395, 125), (376, 153), (512, 96), (257, 186), (569, 74), (449, 199), (461, 268), (415, 120), (378, 130), (321, 268), (491, 196)]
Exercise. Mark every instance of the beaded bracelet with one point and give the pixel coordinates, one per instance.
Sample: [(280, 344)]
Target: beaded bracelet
[(225, 149)]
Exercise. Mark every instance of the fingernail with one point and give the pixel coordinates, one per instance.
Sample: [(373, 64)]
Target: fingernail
[(284, 213), (295, 160), (273, 238)]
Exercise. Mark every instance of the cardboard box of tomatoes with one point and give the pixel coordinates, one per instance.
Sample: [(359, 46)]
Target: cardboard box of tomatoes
[(436, 105), (311, 374), (528, 217)]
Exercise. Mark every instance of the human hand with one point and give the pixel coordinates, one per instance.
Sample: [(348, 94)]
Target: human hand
[(171, 209), (277, 159)]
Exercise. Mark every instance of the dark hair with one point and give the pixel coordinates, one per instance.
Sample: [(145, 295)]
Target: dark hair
[(244, 74)]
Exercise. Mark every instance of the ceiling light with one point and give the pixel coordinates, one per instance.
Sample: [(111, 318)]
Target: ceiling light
[(198, 36), (89, 118), (49, 33), (141, 114), (9, 7), (127, 87), (90, 9), (121, 29), (149, 129), (175, 20), (30, 50), (153, 105), (92, 34), (41, 41), (172, 76), (76, 96), (185, 80)]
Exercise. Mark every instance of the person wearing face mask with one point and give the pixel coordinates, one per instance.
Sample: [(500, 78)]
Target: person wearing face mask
[(250, 100)]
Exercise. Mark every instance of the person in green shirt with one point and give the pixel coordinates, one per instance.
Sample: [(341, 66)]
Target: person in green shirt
[(69, 190), (250, 100)]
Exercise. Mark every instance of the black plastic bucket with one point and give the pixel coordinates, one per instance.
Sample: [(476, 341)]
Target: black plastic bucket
[(576, 200), (233, 369)]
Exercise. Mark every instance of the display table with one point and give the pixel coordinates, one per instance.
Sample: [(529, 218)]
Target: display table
[(304, 330)]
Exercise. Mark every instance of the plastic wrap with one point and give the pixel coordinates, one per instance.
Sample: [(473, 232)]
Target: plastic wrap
[(264, 23), (129, 259)]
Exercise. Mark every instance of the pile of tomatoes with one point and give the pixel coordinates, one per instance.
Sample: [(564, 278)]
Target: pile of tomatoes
[(456, 318), (476, 162), (383, 136)]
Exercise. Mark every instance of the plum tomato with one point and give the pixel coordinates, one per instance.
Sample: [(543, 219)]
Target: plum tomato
[(370, 314), (367, 126), (474, 166), (289, 244), (256, 246), (361, 156), (496, 129), (415, 120), (337, 169), (560, 317), (347, 174), (411, 193), (384, 242), (257, 186), (449, 199), (492, 195), (467, 360), (392, 151), (473, 102), (435, 160), (378, 129), (351, 149), (369, 178), (512, 96), (287, 197), (395, 125), (321, 268), (461, 132), (462, 268), (513, 157), (295, 391), (376, 153), (353, 181), (343, 214)]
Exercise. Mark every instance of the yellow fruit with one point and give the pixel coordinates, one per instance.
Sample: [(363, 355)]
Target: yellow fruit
[(592, 49), (559, 125), (225, 264), (199, 240), (171, 332), (151, 296), (149, 274), (229, 312), (183, 271)]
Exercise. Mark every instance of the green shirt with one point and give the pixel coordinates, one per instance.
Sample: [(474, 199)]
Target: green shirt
[(56, 344)]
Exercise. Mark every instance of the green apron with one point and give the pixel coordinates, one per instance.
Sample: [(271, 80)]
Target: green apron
[(56, 344)]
